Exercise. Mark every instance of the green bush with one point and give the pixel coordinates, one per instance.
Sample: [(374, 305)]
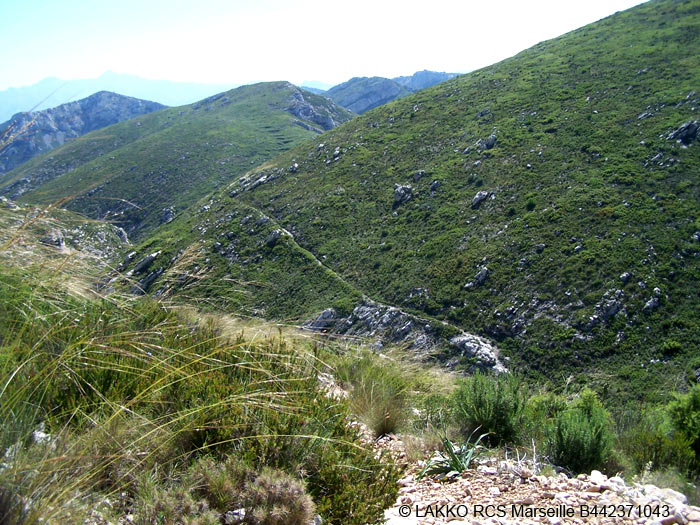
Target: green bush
[(540, 411), (580, 437), (434, 412), (648, 445), (270, 497), (684, 412), (493, 404), (649, 441)]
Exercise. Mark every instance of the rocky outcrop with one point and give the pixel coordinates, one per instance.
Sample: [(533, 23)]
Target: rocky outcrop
[(686, 133), (479, 278), (144, 264), (40, 131), (167, 215), (301, 105), (402, 194), (54, 237), (389, 325), (480, 197)]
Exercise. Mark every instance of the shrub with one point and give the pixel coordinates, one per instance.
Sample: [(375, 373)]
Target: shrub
[(540, 410), (434, 412), (580, 438), (651, 442), (270, 497), (684, 412), (175, 505), (493, 404)]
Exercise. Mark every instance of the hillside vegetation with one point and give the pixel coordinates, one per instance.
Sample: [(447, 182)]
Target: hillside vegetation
[(118, 408), (548, 202), (141, 173)]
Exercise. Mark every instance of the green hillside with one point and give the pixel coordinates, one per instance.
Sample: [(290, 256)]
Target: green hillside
[(133, 172), (548, 202)]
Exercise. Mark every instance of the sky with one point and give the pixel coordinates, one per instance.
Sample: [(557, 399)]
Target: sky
[(242, 41)]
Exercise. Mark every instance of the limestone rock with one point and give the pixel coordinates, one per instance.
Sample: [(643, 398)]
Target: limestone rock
[(402, 194), (479, 198), (482, 350), (686, 133), (167, 215), (651, 305), (54, 237)]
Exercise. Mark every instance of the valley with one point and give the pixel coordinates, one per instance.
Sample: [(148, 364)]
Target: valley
[(282, 306)]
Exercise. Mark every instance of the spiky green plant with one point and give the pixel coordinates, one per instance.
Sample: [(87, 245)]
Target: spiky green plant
[(454, 458)]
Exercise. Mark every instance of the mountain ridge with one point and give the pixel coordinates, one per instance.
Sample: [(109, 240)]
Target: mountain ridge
[(51, 92), (139, 173), (360, 94), (49, 128), (528, 202)]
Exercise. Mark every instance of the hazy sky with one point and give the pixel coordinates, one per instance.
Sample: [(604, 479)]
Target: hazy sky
[(239, 41)]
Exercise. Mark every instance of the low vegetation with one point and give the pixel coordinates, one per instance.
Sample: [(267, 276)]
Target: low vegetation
[(571, 429), (117, 400)]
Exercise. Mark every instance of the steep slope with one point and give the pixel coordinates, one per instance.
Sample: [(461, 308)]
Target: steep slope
[(140, 173), (549, 202), (361, 94), (423, 79), (41, 131)]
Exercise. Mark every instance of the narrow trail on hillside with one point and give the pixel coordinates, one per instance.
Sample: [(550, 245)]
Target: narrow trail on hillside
[(339, 277)]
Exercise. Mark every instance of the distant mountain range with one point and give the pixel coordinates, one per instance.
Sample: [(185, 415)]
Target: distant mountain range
[(423, 79), (142, 172), (53, 127), (40, 131), (361, 94), (52, 92)]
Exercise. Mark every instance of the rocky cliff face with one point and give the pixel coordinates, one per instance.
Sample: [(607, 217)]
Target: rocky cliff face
[(37, 132)]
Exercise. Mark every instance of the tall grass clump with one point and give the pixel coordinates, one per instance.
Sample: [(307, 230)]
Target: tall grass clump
[(378, 390), (580, 437), (119, 398), (493, 404)]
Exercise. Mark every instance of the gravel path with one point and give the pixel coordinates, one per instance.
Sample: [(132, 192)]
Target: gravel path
[(507, 492)]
